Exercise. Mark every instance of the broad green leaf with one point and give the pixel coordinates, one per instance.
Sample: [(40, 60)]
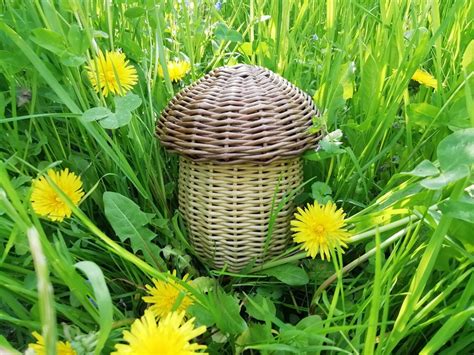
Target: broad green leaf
[(346, 80), (116, 120), (302, 338), (331, 143), (102, 299), (223, 33), (321, 192), (12, 62), (369, 88), (457, 149), (95, 114), (263, 49), (348, 90), (254, 334), (21, 244), (72, 60), (134, 12), (289, 274), (424, 169), (130, 46), (203, 315), (226, 312), (203, 284), (129, 102), (49, 40), (458, 111), (260, 308), (444, 259), (246, 48), (462, 209), (321, 270), (462, 231), (77, 40), (423, 114), (113, 120), (320, 94), (128, 222), (330, 147), (445, 178), (311, 322)]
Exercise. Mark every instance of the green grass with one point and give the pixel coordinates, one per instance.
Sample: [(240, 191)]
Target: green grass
[(404, 285)]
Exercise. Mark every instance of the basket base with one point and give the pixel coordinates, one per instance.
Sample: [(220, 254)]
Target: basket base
[(238, 213)]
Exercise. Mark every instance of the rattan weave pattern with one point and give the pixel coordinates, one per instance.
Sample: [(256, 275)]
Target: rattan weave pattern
[(227, 208), (239, 114)]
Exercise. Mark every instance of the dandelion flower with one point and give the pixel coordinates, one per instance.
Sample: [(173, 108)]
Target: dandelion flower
[(62, 348), (171, 336), (47, 203), (320, 229), (165, 294), (112, 73), (176, 70), (425, 78)]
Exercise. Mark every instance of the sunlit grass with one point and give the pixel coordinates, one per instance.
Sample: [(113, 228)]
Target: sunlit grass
[(405, 284)]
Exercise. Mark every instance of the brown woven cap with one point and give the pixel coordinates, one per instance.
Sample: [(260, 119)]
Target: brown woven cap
[(239, 114)]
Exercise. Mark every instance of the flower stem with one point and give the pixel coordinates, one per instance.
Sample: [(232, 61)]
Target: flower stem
[(374, 231), (360, 260)]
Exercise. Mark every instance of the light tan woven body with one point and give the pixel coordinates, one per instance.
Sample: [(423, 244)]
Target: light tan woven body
[(228, 209), (240, 132)]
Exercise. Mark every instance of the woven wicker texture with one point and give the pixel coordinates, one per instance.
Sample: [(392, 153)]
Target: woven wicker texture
[(239, 114), (227, 209)]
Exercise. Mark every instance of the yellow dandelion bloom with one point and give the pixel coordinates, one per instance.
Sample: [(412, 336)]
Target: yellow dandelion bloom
[(112, 73), (425, 78), (165, 294), (47, 203), (176, 70), (320, 229), (170, 336), (62, 348)]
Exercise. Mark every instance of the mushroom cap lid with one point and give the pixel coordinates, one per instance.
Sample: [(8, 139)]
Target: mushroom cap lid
[(239, 114)]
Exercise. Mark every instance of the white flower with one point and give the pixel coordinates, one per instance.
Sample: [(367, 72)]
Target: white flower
[(331, 142), (334, 136)]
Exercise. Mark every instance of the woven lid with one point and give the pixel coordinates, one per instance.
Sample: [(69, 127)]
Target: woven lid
[(239, 114)]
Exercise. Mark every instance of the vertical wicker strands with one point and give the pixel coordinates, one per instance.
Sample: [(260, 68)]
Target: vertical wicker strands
[(228, 208)]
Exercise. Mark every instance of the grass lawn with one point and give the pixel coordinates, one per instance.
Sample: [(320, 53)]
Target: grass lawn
[(95, 256)]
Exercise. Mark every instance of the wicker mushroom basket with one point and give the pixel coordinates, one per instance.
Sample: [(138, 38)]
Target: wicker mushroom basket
[(240, 132)]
